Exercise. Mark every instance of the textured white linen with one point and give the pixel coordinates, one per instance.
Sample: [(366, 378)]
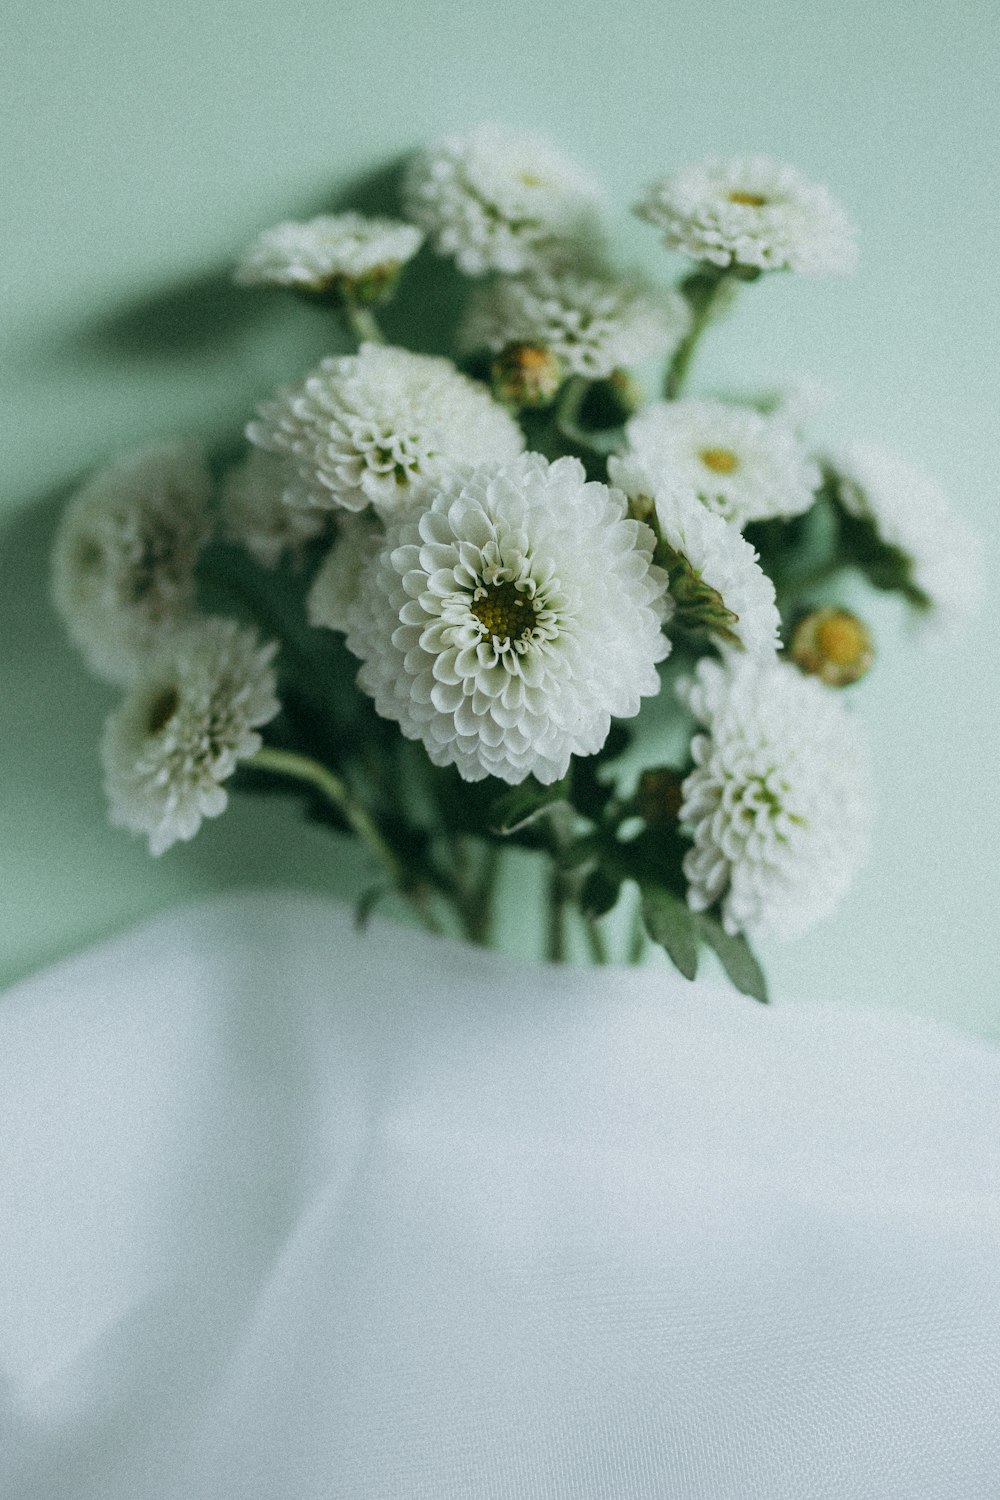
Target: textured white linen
[(292, 1213)]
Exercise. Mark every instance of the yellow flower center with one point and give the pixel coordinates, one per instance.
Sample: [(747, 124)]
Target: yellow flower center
[(841, 639), (504, 611), (719, 460), (162, 710), (531, 180), (752, 200)]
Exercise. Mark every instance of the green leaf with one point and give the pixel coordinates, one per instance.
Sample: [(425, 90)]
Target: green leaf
[(367, 902), (670, 923), (523, 804), (599, 893), (736, 957)]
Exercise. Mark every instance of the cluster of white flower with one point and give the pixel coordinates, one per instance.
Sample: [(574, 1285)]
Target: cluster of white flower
[(778, 802), (741, 464), (592, 324), (184, 726), (125, 554), (381, 427), (331, 250), (508, 622), (498, 200), (754, 213), (911, 513)]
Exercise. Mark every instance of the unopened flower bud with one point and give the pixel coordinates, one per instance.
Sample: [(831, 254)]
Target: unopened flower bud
[(658, 797), (833, 645), (526, 375)]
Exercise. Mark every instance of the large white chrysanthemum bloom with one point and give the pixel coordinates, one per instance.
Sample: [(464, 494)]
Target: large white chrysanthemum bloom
[(742, 464), (184, 726), (593, 325), (510, 621), (752, 212), (332, 250), (339, 581), (125, 553), (499, 200), (910, 512), (263, 509), (779, 801), (720, 562), (382, 426)]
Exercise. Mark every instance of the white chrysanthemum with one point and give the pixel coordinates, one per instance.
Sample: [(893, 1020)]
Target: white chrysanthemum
[(338, 583), (506, 624), (382, 426), (592, 324), (779, 799), (910, 512), (262, 509), (752, 212), (183, 727), (125, 553), (499, 200), (719, 557), (742, 464), (331, 249)]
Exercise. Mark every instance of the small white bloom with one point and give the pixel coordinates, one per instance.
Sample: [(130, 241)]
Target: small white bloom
[(498, 200), (330, 250), (752, 212), (719, 557), (910, 512), (184, 726), (779, 800), (506, 624), (263, 509), (125, 553), (742, 464), (592, 324), (381, 426), (340, 580)]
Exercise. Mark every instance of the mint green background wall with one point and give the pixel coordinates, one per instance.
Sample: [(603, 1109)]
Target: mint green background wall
[(145, 143)]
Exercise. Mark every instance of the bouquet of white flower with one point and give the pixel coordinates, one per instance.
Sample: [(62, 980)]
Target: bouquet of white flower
[(512, 545)]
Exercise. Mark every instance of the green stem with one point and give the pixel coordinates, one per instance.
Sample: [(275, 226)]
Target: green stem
[(702, 291), (362, 323), (322, 779), (555, 943), (595, 939)]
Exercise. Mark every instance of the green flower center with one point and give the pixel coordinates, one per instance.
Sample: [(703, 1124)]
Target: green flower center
[(719, 460), (751, 200)]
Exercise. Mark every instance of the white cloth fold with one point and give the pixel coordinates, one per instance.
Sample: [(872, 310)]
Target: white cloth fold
[(290, 1212)]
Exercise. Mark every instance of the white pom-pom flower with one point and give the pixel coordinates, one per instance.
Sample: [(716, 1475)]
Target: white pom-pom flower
[(510, 621), (499, 200), (722, 569), (332, 250), (337, 586), (755, 213), (741, 464), (911, 513), (592, 324), (184, 726), (381, 427), (124, 557), (263, 509), (779, 801)]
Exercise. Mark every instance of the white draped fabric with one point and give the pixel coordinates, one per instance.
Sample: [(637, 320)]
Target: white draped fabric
[(292, 1213)]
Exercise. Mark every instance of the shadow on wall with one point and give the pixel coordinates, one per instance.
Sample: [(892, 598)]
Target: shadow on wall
[(203, 314)]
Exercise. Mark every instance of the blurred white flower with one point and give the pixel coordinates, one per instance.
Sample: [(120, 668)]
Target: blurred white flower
[(742, 464), (592, 324), (340, 580), (183, 727), (333, 250), (721, 561), (910, 512), (499, 200), (755, 213), (779, 801), (381, 426), (263, 509), (125, 553), (508, 623)]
